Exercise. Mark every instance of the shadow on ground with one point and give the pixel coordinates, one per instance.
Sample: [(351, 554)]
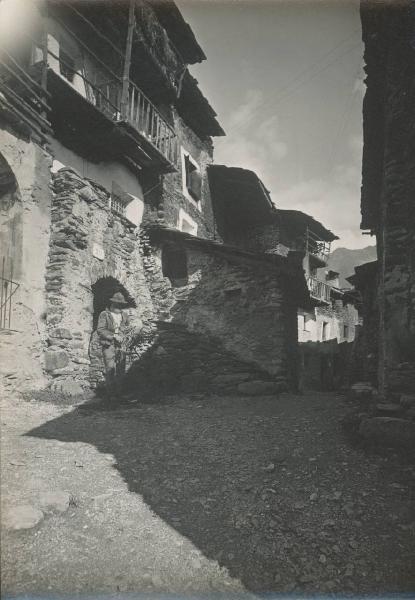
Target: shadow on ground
[(267, 487)]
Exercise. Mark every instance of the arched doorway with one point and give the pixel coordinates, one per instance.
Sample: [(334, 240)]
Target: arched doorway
[(102, 291)]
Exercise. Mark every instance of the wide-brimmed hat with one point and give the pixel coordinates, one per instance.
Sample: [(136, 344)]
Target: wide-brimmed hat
[(118, 298)]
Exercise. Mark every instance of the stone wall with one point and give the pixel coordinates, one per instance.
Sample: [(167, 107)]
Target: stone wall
[(337, 316), (173, 199), (245, 307), (88, 243), (25, 233), (388, 192)]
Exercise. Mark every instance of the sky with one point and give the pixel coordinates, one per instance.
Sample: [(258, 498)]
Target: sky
[(286, 79)]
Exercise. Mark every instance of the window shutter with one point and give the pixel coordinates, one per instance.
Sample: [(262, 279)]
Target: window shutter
[(195, 185)]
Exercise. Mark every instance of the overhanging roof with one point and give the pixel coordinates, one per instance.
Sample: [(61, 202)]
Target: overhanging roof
[(196, 110), (364, 273), (240, 192), (179, 32), (295, 219)]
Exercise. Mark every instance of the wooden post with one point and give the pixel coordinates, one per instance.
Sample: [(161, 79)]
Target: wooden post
[(127, 62), (44, 75)]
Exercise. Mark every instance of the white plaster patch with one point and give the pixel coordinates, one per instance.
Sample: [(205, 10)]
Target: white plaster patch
[(56, 166), (98, 251), (186, 223)]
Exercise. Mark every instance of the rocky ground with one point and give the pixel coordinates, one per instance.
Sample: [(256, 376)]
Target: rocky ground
[(200, 494)]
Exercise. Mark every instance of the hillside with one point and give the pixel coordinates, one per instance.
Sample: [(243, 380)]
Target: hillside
[(344, 260)]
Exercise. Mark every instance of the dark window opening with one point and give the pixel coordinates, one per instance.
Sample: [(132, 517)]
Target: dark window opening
[(66, 65), (193, 179), (346, 332), (324, 332), (233, 293), (174, 265)]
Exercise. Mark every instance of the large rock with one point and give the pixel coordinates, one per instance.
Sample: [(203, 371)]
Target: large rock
[(58, 359), (54, 501), (23, 516), (61, 333), (408, 400), (362, 390), (229, 378), (388, 408), (259, 388), (67, 388), (389, 431)]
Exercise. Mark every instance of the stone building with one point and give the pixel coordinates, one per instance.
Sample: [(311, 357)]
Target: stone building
[(326, 317), (388, 185), (365, 290), (106, 143)]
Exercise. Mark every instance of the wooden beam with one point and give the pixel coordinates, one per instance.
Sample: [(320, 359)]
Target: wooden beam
[(28, 122), (127, 60), (27, 86), (35, 83), (97, 31), (40, 119), (81, 43)]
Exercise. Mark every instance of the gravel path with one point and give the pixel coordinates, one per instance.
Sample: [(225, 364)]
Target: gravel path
[(202, 495)]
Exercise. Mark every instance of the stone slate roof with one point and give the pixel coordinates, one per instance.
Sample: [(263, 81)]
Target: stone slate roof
[(196, 110), (240, 192), (179, 31), (289, 267), (300, 221)]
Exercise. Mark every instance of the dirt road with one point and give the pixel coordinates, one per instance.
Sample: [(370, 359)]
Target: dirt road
[(201, 495)]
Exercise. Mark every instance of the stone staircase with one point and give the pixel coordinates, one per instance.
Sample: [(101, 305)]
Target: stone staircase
[(180, 361)]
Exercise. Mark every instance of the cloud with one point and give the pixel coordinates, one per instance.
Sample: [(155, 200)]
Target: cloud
[(333, 199), (247, 110), (250, 146)]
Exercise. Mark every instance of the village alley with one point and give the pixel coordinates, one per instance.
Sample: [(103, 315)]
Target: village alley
[(203, 495)]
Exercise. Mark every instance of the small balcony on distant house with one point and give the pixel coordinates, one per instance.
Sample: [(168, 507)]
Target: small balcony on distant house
[(319, 290), (317, 249)]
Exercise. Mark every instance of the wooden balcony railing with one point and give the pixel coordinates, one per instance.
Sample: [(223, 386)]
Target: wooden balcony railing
[(319, 290), (141, 114), (317, 247)]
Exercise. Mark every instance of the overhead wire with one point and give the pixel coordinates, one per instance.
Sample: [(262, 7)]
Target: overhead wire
[(306, 71), (289, 90)]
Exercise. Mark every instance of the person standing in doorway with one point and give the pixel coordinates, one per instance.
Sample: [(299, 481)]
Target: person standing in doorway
[(113, 324)]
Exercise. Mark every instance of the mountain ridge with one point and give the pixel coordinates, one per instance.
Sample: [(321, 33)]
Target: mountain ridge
[(343, 260)]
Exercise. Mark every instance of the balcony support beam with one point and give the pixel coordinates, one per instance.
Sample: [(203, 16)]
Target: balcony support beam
[(127, 61)]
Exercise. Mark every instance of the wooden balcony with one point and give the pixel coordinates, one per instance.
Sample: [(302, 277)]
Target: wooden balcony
[(317, 248), (319, 290), (141, 114)]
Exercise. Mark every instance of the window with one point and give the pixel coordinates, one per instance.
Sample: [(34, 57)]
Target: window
[(346, 332), (119, 200), (186, 223), (324, 331), (192, 178), (174, 264), (66, 65)]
